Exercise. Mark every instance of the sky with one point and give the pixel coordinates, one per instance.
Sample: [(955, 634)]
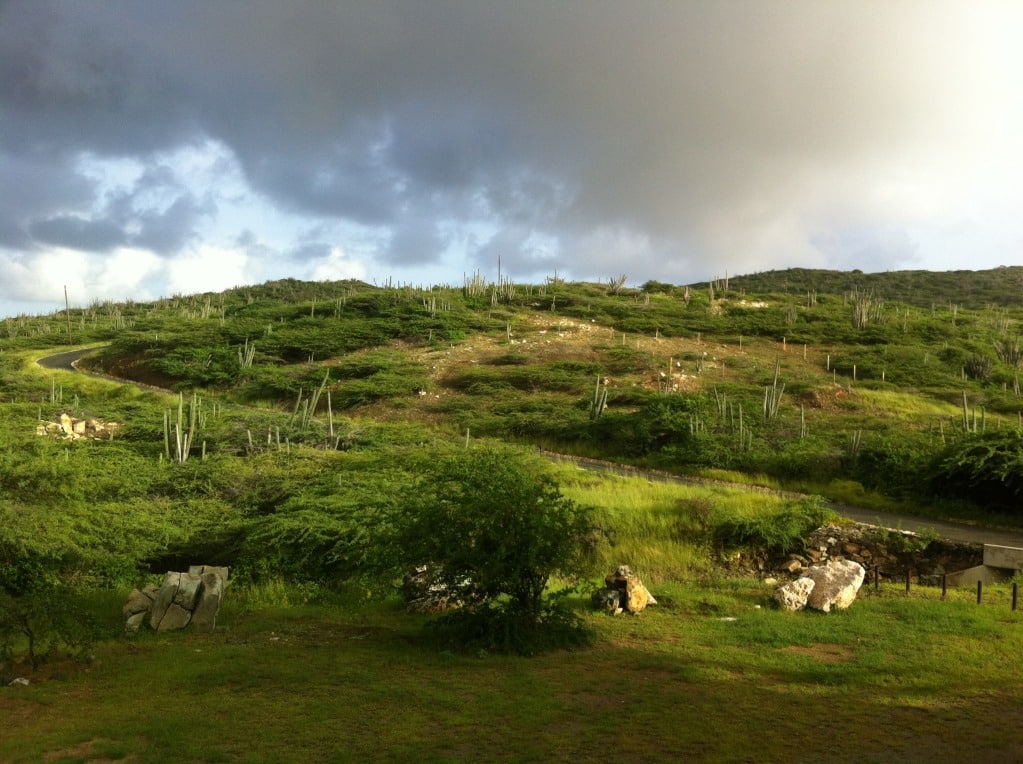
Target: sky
[(149, 149)]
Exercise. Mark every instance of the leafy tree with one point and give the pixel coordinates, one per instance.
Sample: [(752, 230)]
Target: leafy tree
[(493, 526)]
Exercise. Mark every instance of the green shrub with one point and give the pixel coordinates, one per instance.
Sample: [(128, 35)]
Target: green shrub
[(784, 531)]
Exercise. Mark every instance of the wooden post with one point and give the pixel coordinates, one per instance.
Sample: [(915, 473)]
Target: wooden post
[(67, 310), (944, 586), (980, 591), (907, 580), (1015, 593)]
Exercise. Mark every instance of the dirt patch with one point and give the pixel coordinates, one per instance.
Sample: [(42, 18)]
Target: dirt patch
[(86, 752), (825, 653)]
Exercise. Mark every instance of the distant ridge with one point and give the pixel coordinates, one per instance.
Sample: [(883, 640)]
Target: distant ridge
[(971, 289)]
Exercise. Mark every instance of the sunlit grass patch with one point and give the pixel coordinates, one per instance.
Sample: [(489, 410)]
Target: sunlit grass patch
[(904, 405)]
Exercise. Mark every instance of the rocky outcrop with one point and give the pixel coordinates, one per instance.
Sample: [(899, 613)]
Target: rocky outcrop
[(183, 599), (888, 553), (69, 428), (822, 587), (623, 591)]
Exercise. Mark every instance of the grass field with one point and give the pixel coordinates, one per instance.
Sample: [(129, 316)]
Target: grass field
[(713, 673)]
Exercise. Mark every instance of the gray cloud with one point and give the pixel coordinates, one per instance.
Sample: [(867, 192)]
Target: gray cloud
[(77, 233), (673, 140)]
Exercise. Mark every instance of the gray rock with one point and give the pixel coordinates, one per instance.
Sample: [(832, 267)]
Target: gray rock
[(188, 590), (220, 570), (134, 622), (137, 602), (204, 615), (176, 617), (164, 599), (607, 599)]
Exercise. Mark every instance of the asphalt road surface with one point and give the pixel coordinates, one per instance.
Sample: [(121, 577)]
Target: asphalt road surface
[(64, 361)]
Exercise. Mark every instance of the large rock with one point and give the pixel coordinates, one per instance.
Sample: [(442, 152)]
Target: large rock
[(134, 622), (637, 596), (204, 616), (176, 617), (188, 590), (182, 599), (793, 595), (835, 584), (623, 591), (164, 599), (139, 601)]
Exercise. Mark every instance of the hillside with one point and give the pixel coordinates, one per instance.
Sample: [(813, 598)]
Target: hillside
[(822, 381)]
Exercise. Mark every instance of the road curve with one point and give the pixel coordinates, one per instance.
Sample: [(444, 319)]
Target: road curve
[(64, 361)]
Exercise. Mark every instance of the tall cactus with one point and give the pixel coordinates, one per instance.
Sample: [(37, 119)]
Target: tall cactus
[(599, 402)]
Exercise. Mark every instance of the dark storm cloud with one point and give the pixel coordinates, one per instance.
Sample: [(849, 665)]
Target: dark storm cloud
[(415, 242), (670, 139), (77, 233), (37, 185)]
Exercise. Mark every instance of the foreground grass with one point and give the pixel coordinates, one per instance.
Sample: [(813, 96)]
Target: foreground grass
[(705, 676)]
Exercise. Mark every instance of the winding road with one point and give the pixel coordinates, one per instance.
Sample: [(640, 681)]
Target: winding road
[(64, 361), (953, 531)]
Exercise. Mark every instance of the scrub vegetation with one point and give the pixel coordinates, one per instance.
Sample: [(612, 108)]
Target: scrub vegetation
[(323, 439)]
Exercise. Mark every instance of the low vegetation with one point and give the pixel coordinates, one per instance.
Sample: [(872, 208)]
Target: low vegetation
[(325, 439)]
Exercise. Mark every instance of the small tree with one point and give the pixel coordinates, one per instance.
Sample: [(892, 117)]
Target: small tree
[(493, 526)]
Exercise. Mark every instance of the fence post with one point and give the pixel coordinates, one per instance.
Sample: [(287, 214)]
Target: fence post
[(1015, 592), (944, 586), (907, 580), (980, 591)]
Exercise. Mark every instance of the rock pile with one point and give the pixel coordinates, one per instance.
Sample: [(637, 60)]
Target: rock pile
[(822, 587), (183, 599), (887, 551), (69, 428), (623, 591)]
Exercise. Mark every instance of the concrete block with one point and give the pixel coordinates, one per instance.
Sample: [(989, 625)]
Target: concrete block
[(985, 573), (1003, 557)]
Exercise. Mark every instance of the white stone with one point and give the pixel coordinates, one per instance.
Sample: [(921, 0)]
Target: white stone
[(793, 595), (836, 584)]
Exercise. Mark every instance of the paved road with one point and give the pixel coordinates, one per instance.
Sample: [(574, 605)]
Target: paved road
[(954, 531), (64, 361)]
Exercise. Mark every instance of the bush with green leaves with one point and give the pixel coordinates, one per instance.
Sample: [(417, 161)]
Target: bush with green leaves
[(490, 523), (986, 469)]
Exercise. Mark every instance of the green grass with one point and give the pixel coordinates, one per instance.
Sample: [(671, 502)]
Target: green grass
[(712, 674)]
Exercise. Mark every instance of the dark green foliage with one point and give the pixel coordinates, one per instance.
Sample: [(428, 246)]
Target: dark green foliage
[(986, 469), (975, 289), (489, 523), (38, 610), (669, 420), (895, 466), (44, 620)]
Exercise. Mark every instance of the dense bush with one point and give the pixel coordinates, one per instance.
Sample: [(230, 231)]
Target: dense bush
[(986, 469), (491, 524)]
